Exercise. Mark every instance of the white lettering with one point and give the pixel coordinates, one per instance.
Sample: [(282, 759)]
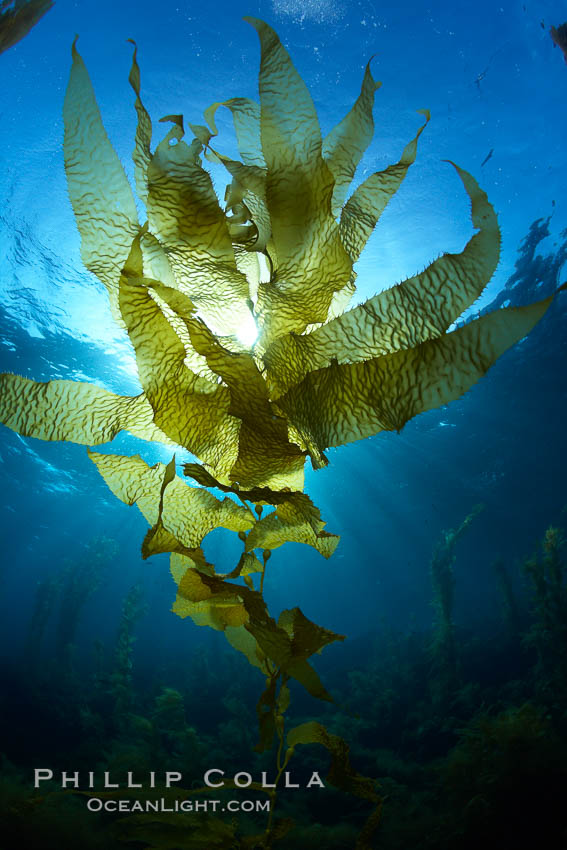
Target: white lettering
[(209, 773), (288, 782), (170, 777), (315, 780), (131, 783), (70, 778), (107, 782), (41, 775), (265, 783)]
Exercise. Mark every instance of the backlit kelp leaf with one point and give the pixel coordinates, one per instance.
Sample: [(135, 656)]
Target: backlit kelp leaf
[(247, 565), (296, 520), (246, 200), (266, 460), (258, 495), (184, 214), (191, 410), (343, 403), (246, 117), (17, 17), (420, 308), (74, 411), (158, 540), (142, 153), (341, 774), (101, 197), (345, 144), (263, 454), (210, 600), (217, 607), (311, 261), (307, 637), (362, 211), (188, 513), (241, 639)]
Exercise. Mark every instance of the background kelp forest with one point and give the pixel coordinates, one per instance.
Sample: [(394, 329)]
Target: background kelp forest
[(450, 583)]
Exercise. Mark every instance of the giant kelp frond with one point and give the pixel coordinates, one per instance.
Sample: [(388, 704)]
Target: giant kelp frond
[(101, 197), (187, 281), (343, 403), (277, 259), (71, 410)]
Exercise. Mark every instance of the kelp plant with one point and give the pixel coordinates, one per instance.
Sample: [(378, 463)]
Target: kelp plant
[(246, 353)]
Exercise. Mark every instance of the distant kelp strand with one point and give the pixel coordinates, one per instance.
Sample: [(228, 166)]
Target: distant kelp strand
[(17, 17), (245, 354)]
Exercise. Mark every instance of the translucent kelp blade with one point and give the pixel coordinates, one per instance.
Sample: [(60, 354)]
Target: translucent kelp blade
[(307, 637), (177, 308), (268, 459), (248, 185), (265, 455), (241, 639), (73, 411), (141, 154), (257, 495), (345, 144), (294, 521), (420, 308), (99, 191), (184, 214), (209, 600), (218, 606), (188, 513), (341, 774), (367, 203), (191, 410), (246, 118), (344, 403), (312, 263), (17, 17)]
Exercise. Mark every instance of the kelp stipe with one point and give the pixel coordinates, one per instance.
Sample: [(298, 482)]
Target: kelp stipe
[(195, 280)]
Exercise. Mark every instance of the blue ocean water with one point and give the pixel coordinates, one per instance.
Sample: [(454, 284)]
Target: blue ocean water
[(495, 84)]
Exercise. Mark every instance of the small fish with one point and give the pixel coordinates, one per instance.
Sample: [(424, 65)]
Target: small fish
[(486, 158)]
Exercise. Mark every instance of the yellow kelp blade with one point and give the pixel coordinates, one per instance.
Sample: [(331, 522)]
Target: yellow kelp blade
[(191, 410), (420, 308), (184, 214), (210, 601), (311, 261), (246, 118), (367, 203), (218, 607), (296, 520), (343, 403), (142, 153), (345, 144), (341, 774), (188, 513), (73, 411), (255, 443), (258, 495), (99, 191)]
